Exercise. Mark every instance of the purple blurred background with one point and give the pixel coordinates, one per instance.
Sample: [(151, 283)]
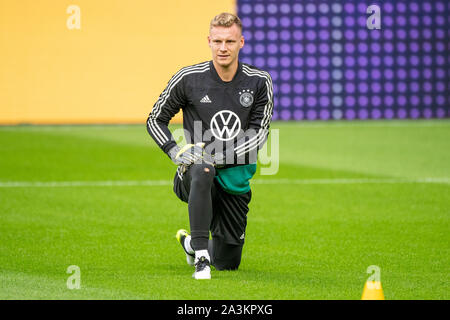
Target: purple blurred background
[(327, 65)]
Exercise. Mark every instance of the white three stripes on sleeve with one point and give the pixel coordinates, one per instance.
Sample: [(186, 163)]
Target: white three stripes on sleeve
[(158, 133), (261, 136)]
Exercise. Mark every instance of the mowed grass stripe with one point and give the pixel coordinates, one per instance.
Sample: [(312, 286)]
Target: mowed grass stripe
[(344, 198), (131, 183)]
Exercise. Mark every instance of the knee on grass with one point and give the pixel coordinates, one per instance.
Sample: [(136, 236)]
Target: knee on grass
[(228, 259), (226, 265)]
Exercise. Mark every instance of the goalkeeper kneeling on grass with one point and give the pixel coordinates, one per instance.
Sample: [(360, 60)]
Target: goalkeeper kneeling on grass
[(232, 102)]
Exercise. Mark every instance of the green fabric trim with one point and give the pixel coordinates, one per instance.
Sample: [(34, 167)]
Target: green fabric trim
[(235, 180)]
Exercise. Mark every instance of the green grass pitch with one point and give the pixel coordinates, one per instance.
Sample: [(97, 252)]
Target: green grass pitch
[(346, 196)]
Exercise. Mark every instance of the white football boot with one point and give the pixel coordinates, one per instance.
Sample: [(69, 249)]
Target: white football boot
[(184, 239), (202, 268)]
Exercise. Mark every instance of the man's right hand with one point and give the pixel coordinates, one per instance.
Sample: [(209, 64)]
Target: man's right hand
[(187, 155)]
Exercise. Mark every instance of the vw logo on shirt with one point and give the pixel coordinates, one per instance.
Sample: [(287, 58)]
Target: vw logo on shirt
[(225, 125)]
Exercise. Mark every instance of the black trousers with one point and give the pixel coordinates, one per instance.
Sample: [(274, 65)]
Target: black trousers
[(211, 209)]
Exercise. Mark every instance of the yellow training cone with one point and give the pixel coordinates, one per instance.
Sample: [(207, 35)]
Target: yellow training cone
[(372, 291)]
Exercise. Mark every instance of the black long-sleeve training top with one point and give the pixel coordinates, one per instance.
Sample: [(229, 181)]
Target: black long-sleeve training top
[(232, 118)]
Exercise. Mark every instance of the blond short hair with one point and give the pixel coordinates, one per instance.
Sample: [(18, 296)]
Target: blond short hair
[(225, 19)]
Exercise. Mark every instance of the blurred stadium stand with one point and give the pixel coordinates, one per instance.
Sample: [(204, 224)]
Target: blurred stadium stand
[(327, 64)]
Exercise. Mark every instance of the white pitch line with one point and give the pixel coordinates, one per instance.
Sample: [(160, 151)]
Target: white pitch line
[(58, 184), (352, 181), (150, 183)]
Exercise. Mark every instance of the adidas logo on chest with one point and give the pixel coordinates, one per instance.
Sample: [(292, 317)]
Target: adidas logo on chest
[(205, 99)]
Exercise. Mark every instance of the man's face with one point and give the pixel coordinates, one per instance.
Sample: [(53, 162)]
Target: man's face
[(225, 44)]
